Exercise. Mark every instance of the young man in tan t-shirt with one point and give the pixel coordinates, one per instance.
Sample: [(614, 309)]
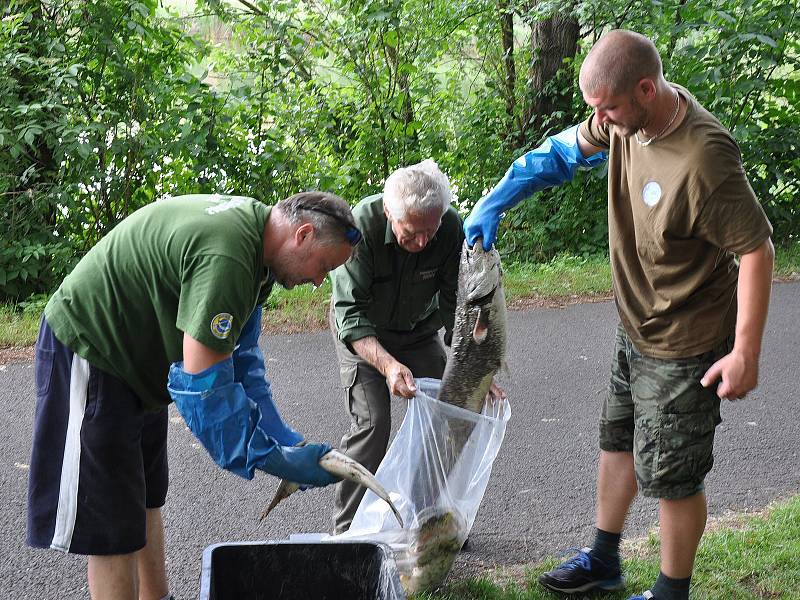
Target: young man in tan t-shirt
[(679, 209)]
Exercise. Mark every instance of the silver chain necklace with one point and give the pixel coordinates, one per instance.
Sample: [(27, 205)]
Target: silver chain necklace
[(667, 126)]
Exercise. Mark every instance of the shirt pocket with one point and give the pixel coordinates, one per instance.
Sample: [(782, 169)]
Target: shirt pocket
[(347, 375), (426, 281), (424, 291)]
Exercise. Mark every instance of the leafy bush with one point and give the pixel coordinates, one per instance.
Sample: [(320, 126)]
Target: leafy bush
[(107, 106)]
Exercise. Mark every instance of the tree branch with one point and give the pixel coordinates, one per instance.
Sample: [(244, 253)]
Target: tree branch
[(253, 8)]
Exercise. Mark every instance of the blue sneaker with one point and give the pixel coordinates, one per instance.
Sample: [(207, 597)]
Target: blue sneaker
[(648, 595), (582, 573)]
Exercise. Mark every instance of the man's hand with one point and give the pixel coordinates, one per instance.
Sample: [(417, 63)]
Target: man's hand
[(400, 380), (739, 369), (496, 393), (398, 376), (739, 374), (299, 464), (552, 163)]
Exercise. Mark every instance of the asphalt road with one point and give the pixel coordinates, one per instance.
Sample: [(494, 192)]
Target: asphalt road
[(539, 500)]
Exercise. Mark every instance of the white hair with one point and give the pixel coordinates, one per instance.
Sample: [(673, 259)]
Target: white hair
[(417, 189)]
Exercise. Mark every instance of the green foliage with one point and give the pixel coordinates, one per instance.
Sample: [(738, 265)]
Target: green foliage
[(107, 106), (19, 323), (740, 59), (97, 100)]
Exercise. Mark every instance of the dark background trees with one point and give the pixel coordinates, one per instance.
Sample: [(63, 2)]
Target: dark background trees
[(108, 105)]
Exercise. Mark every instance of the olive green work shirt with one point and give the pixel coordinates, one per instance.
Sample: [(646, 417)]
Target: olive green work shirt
[(383, 288), (679, 210)]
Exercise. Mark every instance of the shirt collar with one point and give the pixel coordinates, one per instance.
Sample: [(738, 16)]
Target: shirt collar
[(389, 237)]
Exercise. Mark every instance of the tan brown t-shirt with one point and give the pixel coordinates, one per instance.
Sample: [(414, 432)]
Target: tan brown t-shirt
[(678, 211)]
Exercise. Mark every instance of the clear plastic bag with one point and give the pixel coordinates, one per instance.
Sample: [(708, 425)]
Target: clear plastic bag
[(436, 471)]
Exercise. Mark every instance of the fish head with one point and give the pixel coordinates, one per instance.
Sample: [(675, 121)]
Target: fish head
[(481, 273), (481, 277)]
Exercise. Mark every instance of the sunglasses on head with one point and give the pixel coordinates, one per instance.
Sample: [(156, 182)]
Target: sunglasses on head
[(351, 232)]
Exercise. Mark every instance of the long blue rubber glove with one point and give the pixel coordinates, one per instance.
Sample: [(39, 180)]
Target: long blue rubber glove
[(551, 164), (250, 371), (229, 425)]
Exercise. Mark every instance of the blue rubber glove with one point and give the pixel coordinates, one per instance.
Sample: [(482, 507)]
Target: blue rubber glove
[(299, 464), (229, 425), (249, 370), (551, 164)]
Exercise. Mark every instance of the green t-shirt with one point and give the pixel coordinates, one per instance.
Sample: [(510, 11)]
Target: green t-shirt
[(190, 264), (384, 289), (678, 211)]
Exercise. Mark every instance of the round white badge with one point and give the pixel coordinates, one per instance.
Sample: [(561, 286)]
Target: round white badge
[(651, 193)]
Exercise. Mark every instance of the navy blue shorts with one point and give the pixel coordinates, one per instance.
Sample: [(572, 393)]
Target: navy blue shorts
[(98, 460)]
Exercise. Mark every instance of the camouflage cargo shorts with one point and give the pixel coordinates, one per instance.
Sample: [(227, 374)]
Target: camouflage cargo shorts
[(657, 409)]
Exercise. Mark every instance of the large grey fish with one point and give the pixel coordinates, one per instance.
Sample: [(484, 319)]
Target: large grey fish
[(478, 351)]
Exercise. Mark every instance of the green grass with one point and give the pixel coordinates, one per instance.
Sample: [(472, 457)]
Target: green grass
[(19, 323), (787, 260), (563, 276), (744, 558), (299, 309), (304, 308)]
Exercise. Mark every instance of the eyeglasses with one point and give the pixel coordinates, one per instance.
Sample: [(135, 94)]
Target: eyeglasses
[(351, 232)]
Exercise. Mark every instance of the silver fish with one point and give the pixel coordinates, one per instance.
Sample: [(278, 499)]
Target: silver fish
[(436, 543), (342, 466), (478, 349)]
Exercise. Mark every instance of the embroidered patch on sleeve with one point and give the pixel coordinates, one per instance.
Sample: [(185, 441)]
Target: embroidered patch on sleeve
[(221, 325)]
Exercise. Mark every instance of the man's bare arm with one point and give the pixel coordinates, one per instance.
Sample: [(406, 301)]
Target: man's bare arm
[(198, 357), (587, 149), (398, 376), (739, 369)]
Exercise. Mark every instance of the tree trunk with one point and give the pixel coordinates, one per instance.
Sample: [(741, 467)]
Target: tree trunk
[(409, 142), (509, 70), (552, 40)]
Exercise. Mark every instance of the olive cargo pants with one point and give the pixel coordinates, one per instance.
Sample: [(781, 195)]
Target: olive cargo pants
[(368, 402)]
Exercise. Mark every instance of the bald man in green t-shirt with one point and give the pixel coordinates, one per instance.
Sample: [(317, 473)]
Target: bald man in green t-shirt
[(680, 209), (167, 308)]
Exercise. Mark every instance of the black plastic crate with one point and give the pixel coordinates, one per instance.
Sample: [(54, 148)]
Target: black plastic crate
[(299, 571)]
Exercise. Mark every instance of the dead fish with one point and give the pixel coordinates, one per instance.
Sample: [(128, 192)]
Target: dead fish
[(342, 466), (437, 531), (285, 489), (438, 538), (478, 349), (478, 352)]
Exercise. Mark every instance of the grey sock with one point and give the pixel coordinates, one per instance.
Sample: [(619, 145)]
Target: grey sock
[(667, 588), (606, 546)]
